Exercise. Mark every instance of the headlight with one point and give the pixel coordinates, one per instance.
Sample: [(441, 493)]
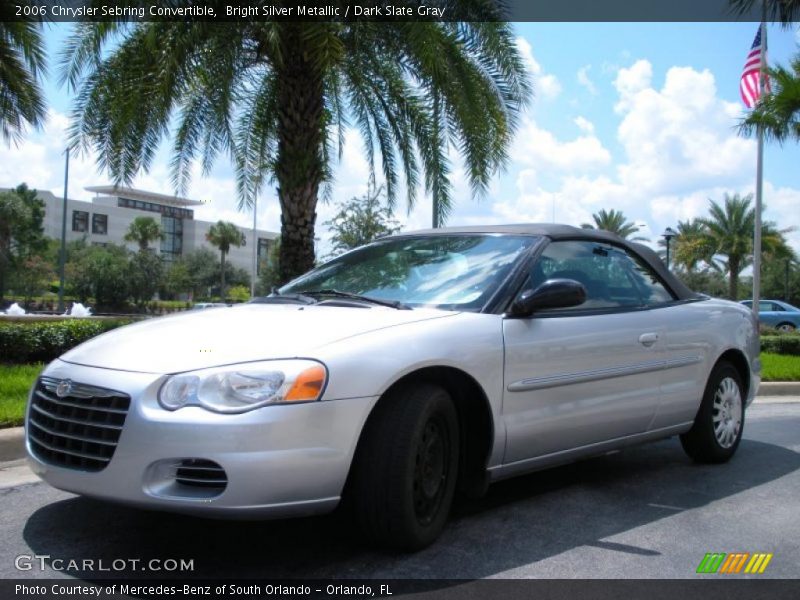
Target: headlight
[(239, 388)]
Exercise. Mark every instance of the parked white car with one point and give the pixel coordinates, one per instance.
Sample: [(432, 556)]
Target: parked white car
[(396, 374)]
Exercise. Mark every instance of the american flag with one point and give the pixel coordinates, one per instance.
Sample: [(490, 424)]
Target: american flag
[(749, 86)]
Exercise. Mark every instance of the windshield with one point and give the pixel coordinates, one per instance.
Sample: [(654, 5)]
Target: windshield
[(457, 272)]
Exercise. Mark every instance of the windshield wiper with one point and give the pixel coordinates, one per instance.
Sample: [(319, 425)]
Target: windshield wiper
[(339, 294), (277, 298)]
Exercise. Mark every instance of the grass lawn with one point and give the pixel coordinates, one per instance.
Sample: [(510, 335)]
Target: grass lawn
[(780, 367), (15, 382)]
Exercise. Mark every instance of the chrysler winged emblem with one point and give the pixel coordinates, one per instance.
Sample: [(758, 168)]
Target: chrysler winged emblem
[(64, 388)]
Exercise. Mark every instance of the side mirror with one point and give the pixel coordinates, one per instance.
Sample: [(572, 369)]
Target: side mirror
[(553, 293)]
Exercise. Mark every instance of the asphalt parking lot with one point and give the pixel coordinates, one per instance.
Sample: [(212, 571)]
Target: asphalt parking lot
[(646, 512)]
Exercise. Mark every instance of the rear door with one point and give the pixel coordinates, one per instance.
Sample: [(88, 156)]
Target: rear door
[(592, 373)]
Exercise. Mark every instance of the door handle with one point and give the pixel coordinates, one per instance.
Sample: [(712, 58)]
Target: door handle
[(648, 339)]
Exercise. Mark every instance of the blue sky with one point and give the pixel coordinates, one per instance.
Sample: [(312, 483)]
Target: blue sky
[(637, 116)]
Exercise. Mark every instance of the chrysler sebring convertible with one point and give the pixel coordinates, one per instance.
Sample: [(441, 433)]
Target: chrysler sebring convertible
[(416, 367)]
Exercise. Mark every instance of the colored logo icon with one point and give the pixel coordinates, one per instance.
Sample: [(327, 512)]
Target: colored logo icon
[(737, 562)]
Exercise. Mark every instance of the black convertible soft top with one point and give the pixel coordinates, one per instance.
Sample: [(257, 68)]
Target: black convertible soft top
[(568, 232)]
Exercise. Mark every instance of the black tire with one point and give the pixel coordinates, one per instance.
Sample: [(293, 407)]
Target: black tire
[(703, 443), (406, 468), (786, 327)]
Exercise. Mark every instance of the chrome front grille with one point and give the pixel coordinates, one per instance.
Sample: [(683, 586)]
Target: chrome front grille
[(199, 472), (75, 425)]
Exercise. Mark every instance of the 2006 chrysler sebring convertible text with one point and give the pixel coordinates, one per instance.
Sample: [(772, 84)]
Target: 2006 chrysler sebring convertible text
[(396, 374)]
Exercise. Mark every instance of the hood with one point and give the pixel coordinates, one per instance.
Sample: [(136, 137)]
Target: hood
[(220, 336)]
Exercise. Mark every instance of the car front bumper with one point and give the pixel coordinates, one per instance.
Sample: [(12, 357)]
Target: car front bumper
[(281, 460)]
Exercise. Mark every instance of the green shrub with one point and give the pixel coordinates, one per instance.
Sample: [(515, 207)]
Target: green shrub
[(781, 344), (38, 341)]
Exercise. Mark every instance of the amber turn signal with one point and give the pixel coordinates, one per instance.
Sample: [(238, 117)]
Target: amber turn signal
[(307, 386)]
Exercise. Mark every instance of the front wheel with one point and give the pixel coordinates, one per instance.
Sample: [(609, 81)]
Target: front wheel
[(406, 467), (785, 327), (718, 426)]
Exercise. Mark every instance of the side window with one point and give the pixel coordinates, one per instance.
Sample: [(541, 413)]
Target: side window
[(768, 307), (80, 220), (613, 278)]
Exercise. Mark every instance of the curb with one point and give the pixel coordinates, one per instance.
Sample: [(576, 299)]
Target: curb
[(12, 439), (779, 388), (12, 444)]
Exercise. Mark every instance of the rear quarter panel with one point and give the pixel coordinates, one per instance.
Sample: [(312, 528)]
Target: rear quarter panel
[(706, 329)]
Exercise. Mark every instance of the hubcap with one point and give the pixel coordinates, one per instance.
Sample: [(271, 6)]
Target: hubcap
[(727, 412), (431, 470)]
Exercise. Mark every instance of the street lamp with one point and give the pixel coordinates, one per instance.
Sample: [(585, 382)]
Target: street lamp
[(668, 234)]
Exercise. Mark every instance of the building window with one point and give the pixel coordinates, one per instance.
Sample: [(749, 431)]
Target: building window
[(172, 243), (263, 261), (80, 220), (169, 211), (99, 224)]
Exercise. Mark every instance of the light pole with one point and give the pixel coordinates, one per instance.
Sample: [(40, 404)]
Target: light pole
[(668, 234), (62, 255)]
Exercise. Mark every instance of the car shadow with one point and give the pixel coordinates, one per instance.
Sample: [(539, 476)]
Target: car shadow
[(520, 521)]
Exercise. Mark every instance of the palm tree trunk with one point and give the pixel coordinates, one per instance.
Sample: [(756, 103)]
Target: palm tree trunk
[(222, 276), (733, 281), (299, 169)]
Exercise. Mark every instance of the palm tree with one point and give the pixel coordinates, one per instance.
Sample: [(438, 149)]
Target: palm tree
[(730, 231), (615, 222), (143, 230), (691, 246), (783, 11), (223, 235), (778, 113), (278, 96), (22, 61)]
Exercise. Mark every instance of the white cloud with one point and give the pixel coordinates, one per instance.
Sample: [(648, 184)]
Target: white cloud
[(632, 81), (584, 124), (583, 79), (679, 148), (539, 148), (546, 85)]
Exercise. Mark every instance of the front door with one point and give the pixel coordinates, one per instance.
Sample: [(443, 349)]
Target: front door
[(591, 373)]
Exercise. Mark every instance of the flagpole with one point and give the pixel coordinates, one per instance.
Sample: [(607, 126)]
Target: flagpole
[(255, 245), (762, 80)]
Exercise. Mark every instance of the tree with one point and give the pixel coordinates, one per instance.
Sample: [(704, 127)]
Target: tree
[(203, 268), (780, 279), (783, 11), (33, 278), (143, 230), (177, 279), (730, 231), (690, 247), (707, 281), (78, 278), (615, 222), (223, 235), (361, 220), (98, 272), (277, 97), (145, 273), (21, 231), (22, 61), (109, 271), (239, 293)]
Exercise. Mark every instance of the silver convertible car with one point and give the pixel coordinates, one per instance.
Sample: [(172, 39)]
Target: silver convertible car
[(394, 376)]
